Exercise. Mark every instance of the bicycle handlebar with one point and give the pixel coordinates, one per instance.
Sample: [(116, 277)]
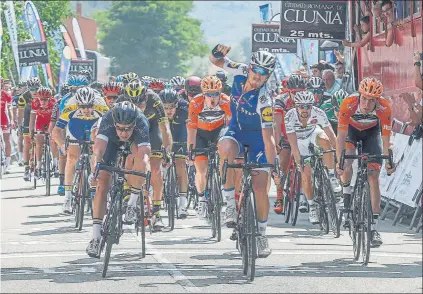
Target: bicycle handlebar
[(248, 166), (212, 148), (366, 157), (120, 171), (317, 154)]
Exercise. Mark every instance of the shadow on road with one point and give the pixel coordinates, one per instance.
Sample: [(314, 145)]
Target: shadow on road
[(44, 204)]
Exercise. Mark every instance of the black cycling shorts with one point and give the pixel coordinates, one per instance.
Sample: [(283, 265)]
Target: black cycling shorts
[(27, 116), (156, 140), (204, 138), (371, 140), (180, 149)]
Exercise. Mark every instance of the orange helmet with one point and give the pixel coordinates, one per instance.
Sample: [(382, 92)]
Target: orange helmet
[(211, 84), (371, 87), (111, 88)]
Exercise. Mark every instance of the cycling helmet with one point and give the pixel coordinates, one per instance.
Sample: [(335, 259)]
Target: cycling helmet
[(177, 81), (129, 77), (112, 89), (44, 92), (78, 81), (338, 97), (64, 89), (21, 85), (34, 82), (124, 113), (86, 73), (85, 96), (304, 97), (119, 79), (169, 96), (221, 75), (371, 87), (264, 59), (156, 84), (315, 83), (193, 85), (168, 85), (134, 89), (211, 84), (296, 82), (97, 86)]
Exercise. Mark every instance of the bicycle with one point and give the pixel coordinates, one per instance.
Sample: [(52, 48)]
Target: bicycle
[(359, 214), (112, 224), (192, 195), (246, 226), (213, 191), (170, 189), (292, 193), (46, 162), (322, 191), (81, 187), (3, 154), (32, 162)]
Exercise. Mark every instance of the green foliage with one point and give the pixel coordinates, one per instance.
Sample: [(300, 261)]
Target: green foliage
[(155, 38), (52, 15)]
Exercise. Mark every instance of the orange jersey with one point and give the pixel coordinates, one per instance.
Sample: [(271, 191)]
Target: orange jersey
[(202, 117), (350, 114)]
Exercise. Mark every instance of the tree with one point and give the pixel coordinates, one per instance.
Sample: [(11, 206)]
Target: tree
[(52, 15), (150, 37)]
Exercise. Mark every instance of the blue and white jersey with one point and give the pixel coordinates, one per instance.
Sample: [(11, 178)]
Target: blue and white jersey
[(253, 110)]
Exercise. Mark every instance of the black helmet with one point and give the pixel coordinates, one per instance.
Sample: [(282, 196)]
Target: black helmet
[(64, 89), (221, 75), (296, 82), (97, 86), (193, 85), (124, 113), (168, 96)]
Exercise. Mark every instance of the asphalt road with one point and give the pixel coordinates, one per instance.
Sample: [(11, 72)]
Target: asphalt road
[(42, 252)]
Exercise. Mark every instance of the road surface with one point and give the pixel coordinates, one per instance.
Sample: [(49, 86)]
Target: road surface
[(42, 252)]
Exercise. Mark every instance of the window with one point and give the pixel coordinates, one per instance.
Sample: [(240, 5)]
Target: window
[(417, 6), (407, 9)]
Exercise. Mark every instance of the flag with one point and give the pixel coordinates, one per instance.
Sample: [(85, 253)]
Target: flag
[(78, 38), (265, 13), (65, 63), (1, 33), (10, 17)]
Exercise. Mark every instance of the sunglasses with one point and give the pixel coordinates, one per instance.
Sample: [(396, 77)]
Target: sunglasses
[(86, 106), (33, 89), (317, 91), (212, 94), (304, 106), (169, 106), (45, 99), (111, 97), (259, 70), (124, 130)]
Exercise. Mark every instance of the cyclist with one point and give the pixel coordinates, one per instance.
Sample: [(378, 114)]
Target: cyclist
[(251, 124), (19, 90), (192, 88), (177, 113), (223, 78), (123, 123), (111, 91), (208, 114), (316, 86), (156, 85), (24, 113), (365, 116), (303, 128), (159, 134), (86, 73), (331, 107), (130, 76), (97, 86), (75, 122), (41, 110), (6, 122), (283, 103), (178, 83)]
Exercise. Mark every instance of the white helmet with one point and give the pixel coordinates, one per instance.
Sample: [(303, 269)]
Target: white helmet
[(315, 83), (304, 97), (264, 59), (177, 81), (85, 96)]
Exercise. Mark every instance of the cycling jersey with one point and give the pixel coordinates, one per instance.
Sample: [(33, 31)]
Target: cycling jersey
[(107, 132), (64, 101), (202, 117), (327, 107), (4, 113), (294, 125), (178, 127), (350, 114), (55, 112), (69, 104), (43, 114), (251, 112), (283, 102), (76, 123), (24, 100)]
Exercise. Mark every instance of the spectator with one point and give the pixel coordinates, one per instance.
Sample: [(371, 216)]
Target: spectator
[(414, 108), (418, 78), (388, 18), (360, 42), (221, 75), (331, 84), (316, 69), (339, 70)]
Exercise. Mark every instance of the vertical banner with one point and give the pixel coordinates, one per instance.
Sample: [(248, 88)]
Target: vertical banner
[(78, 38), (37, 32), (68, 41), (65, 63), (1, 32), (265, 13), (10, 17)]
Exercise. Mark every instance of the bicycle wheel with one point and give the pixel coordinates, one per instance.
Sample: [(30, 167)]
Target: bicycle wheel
[(295, 200), (366, 232), (111, 234), (170, 202), (330, 201), (47, 168), (217, 207), (76, 189), (287, 202), (251, 237), (84, 193), (34, 164), (319, 199), (356, 221), (141, 222)]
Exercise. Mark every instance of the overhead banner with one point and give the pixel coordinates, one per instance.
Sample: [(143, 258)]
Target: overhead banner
[(313, 19), (84, 64), (266, 37), (33, 54), (10, 17)]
